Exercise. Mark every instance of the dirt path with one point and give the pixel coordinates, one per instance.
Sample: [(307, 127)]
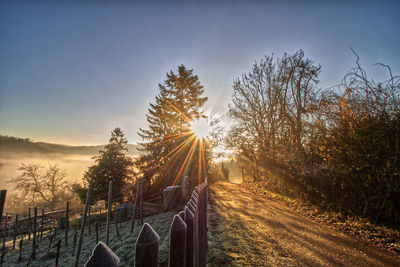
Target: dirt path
[(247, 229)]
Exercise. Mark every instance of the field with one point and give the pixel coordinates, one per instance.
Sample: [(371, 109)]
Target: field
[(123, 246)]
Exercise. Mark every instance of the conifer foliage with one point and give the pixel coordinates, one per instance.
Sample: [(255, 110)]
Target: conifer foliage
[(111, 165), (170, 148)]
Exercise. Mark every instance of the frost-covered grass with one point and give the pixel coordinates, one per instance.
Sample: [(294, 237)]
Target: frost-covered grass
[(123, 246)]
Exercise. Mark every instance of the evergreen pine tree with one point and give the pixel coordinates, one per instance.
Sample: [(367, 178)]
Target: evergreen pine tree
[(111, 165), (169, 141)]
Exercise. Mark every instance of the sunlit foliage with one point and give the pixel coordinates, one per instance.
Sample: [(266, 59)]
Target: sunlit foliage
[(171, 149), (338, 147)]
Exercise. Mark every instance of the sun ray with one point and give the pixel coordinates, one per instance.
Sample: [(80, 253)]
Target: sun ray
[(184, 163), (177, 109), (177, 136), (177, 150), (181, 145)]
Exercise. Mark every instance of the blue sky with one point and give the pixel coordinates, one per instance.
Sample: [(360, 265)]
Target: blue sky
[(71, 71)]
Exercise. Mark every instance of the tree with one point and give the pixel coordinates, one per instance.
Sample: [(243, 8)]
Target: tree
[(50, 187), (171, 150), (111, 165), (270, 106), (358, 138)]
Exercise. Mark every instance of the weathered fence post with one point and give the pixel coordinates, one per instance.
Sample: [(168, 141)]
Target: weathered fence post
[(102, 255), (58, 252), (177, 243), (73, 249), (193, 208), (21, 243), (109, 204), (200, 207), (189, 220), (29, 224), (50, 242), (89, 220), (3, 194), (41, 229), (15, 230), (134, 208), (66, 223), (78, 251), (147, 247), (34, 233), (5, 231)]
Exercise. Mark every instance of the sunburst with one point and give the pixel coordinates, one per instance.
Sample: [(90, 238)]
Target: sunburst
[(200, 128), (194, 137)]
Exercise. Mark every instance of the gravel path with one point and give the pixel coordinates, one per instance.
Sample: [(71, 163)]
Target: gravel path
[(247, 229)]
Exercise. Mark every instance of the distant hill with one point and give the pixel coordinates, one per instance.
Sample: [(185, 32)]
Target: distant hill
[(10, 144)]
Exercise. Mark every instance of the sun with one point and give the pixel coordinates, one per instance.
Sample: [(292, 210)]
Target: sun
[(200, 128)]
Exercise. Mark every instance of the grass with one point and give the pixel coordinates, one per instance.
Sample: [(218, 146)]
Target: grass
[(123, 246)]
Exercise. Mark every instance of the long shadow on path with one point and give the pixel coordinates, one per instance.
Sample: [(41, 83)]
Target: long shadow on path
[(247, 229)]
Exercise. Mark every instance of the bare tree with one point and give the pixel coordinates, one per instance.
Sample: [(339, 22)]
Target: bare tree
[(50, 186), (270, 105)]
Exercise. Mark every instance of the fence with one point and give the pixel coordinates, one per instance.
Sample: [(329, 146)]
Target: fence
[(188, 229), (188, 238)]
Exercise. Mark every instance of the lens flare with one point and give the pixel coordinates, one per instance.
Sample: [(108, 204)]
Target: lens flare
[(200, 128)]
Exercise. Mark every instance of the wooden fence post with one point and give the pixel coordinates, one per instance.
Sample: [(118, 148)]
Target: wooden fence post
[(66, 223), (58, 252), (5, 231), (89, 220), (102, 255), (189, 220), (193, 208), (50, 242), (134, 209), (3, 194), (147, 247), (73, 249), (200, 207), (15, 230), (78, 251), (34, 233), (29, 224), (109, 204), (177, 243), (203, 241), (41, 229), (21, 243)]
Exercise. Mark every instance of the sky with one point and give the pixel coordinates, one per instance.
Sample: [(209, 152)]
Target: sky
[(71, 71)]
